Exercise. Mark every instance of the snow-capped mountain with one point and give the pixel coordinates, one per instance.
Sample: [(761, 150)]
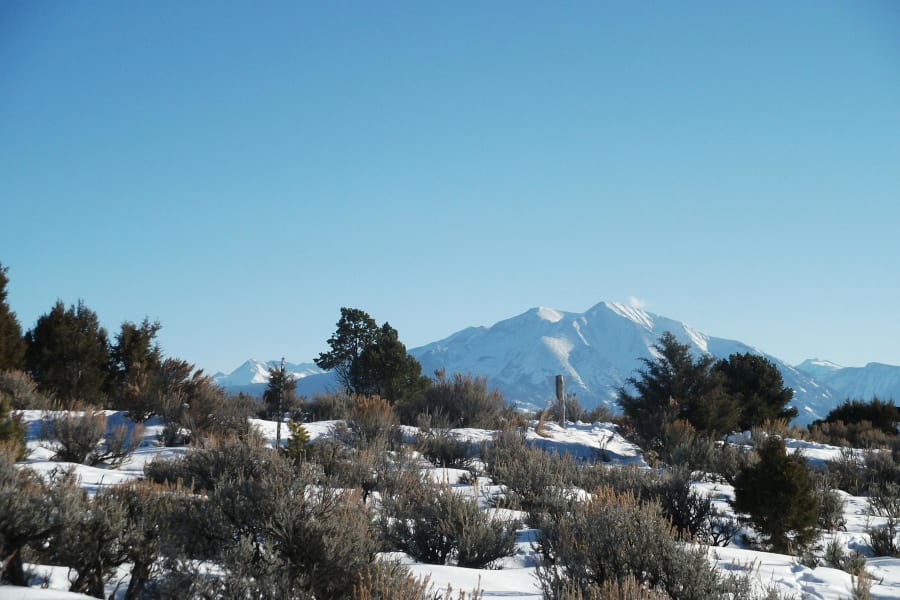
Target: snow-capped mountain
[(857, 383), (253, 376), (596, 351)]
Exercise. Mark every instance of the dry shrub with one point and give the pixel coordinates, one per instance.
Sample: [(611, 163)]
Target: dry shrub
[(373, 420), (435, 525), (458, 401), (444, 450), (392, 581), (330, 407), (22, 391), (80, 435), (614, 537)]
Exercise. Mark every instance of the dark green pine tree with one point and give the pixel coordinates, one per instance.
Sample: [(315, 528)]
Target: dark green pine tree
[(135, 361), (756, 384), (67, 354), (12, 344), (779, 498), (675, 386), (281, 393), (884, 416), (356, 330), (386, 369)]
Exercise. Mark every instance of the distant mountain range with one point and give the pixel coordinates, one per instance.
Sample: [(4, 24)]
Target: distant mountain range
[(596, 351)]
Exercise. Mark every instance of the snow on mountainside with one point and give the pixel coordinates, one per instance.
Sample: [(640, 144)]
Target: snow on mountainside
[(596, 350), (818, 368), (253, 375), (856, 383)]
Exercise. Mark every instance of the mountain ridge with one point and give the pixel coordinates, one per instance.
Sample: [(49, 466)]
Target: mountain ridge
[(597, 351)]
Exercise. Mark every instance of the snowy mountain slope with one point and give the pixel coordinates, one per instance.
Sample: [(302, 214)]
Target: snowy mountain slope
[(596, 350), (254, 371), (253, 376), (856, 383)]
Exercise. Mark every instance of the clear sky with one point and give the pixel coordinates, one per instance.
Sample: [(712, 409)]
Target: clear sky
[(239, 171)]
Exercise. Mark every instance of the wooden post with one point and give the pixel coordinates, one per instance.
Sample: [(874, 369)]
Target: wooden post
[(278, 412), (561, 398)]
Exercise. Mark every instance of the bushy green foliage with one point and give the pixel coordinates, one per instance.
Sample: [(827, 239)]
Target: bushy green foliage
[(12, 344), (297, 447), (882, 415), (676, 386), (779, 499), (68, 354), (371, 360), (280, 395), (435, 525), (755, 383), (713, 397), (356, 330), (135, 361), (859, 424)]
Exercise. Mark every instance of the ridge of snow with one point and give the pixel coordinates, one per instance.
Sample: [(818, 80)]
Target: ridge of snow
[(700, 340), (639, 316), (549, 314)]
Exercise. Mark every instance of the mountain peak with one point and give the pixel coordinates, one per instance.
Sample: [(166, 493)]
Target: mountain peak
[(632, 313)]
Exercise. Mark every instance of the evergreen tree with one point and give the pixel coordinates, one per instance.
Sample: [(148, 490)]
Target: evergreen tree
[(12, 344), (356, 330), (757, 386), (675, 386), (779, 497), (67, 354), (281, 392), (884, 416), (135, 361), (385, 369), (371, 360)]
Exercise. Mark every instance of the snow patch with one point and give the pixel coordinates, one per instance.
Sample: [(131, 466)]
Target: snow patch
[(560, 347), (699, 339), (549, 314), (631, 313), (581, 335)]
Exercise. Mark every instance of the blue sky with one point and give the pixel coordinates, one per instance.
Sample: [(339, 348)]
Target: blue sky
[(240, 171)]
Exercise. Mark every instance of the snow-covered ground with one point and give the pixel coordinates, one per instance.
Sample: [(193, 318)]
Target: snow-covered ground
[(515, 578)]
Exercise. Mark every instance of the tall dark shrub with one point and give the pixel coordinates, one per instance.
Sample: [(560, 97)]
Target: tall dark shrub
[(779, 499), (12, 344), (68, 354)]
